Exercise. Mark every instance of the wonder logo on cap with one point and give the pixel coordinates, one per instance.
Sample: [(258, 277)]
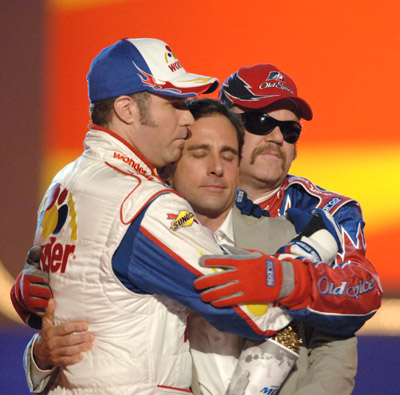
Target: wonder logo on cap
[(169, 54)]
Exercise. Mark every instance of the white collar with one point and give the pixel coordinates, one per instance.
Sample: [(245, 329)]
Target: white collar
[(224, 233)]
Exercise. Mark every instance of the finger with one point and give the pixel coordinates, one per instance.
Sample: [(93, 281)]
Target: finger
[(40, 292), (73, 344), (71, 327), (39, 284), (36, 280), (223, 291), (38, 305), (73, 340), (79, 345), (212, 280), (64, 356), (214, 263), (48, 318), (38, 287), (227, 302)]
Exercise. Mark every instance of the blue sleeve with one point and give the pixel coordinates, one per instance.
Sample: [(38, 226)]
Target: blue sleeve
[(348, 294), (145, 265)]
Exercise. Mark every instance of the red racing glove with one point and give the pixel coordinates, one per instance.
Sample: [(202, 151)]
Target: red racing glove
[(253, 277), (31, 292)]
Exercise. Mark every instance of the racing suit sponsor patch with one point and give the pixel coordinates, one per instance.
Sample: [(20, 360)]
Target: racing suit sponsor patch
[(325, 287), (331, 204), (184, 218)]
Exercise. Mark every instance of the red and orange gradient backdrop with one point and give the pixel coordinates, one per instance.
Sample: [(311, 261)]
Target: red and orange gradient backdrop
[(344, 56)]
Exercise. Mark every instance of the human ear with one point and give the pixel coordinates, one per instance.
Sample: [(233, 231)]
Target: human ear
[(126, 109)]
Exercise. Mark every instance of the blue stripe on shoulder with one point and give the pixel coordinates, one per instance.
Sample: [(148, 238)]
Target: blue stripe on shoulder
[(122, 256)]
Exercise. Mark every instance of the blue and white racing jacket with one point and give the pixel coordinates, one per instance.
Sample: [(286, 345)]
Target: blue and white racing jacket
[(346, 294), (122, 250)]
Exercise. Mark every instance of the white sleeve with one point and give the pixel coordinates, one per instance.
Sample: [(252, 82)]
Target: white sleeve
[(36, 378), (168, 243)]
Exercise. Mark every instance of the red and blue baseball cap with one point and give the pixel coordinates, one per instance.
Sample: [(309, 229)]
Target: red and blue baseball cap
[(259, 86), (143, 64)]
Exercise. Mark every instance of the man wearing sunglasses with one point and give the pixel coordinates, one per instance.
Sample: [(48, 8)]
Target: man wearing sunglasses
[(271, 111)]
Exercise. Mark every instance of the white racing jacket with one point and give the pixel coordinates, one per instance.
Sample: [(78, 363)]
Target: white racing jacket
[(122, 250)]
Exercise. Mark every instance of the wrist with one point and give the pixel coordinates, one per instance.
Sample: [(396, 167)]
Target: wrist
[(39, 354)]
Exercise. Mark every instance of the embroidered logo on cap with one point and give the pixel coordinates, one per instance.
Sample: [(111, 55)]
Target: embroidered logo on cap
[(278, 82), (275, 75), (171, 57)]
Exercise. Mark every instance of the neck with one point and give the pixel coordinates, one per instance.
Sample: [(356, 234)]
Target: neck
[(212, 223), (258, 190)]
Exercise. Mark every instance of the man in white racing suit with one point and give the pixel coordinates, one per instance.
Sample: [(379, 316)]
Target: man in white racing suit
[(122, 249)]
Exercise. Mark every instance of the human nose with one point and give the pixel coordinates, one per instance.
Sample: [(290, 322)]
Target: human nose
[(275, 136), (186, 118), (216, 167)]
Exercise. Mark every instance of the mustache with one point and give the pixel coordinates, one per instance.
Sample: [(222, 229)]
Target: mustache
[(266, 149)]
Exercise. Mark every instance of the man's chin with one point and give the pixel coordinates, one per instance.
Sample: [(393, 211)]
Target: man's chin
[(211, 209), (271, 177)]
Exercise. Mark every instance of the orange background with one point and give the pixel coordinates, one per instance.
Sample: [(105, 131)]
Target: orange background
[(344, 56)]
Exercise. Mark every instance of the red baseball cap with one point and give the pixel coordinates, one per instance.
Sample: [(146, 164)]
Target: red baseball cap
[(259, 86)]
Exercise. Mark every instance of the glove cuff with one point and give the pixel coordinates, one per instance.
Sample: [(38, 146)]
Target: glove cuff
[(324, 245), (18, 306), (301, 295), (287, 279)]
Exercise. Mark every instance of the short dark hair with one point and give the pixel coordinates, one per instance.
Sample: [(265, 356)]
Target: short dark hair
[(102, 110), (201, 108)]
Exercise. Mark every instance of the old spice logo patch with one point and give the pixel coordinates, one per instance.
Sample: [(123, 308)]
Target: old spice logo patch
[(184, 218)]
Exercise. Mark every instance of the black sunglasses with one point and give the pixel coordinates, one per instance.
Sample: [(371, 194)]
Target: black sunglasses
[(257, 122)]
